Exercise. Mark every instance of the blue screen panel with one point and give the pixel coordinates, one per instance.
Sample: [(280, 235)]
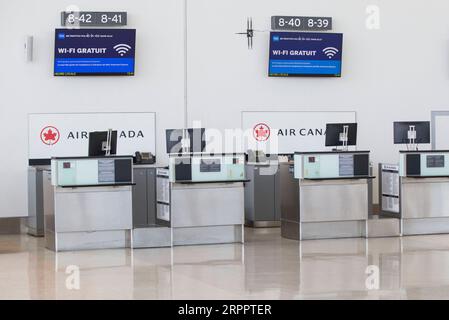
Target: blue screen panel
[(305, 54), (94, 52)]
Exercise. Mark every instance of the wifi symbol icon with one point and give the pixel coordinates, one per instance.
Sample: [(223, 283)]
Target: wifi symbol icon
[(330, 52), (122, 49)]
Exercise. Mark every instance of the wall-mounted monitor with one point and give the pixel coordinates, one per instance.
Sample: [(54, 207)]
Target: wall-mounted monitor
[(84, 52), (417, 132), (305, 54)]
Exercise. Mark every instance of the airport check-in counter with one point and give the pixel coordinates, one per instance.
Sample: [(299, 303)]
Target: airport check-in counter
[(262, 193), (325, 195), (419, 192), (202, 195), (88, 203), (147, 232)]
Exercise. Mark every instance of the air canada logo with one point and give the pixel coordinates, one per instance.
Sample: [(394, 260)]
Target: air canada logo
[(50, 135), (261, 132)]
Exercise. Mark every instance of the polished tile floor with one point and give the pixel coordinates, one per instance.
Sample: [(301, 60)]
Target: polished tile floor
[(266, 267)]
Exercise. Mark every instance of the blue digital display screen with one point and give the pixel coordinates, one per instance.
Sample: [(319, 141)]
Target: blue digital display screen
[(305, 54), (94, 52)]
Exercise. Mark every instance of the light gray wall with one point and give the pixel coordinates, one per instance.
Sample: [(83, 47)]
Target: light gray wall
[(399, 72), (31, 88)]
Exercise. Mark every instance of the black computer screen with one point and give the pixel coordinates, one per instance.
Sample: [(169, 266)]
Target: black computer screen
[(196, 137), (333, 131), (96, 140), (173, 138), (401, 129)]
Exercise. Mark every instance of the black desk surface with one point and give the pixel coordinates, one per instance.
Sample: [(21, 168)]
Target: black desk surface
[(99, 185), (342, 178), (225, 181), (332, 152), (424, 151)]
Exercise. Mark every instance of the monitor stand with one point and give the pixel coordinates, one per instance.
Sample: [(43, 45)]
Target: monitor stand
[(411, 135), (107, 145), (344, 138)]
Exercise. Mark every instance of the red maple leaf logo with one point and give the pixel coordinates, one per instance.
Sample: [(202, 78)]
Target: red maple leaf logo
[(261, 132), (50, 135)]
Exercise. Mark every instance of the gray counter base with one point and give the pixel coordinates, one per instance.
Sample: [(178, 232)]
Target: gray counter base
[(384, 227), (207, 213), (329, 209), (35, 232), (425, 205), (332, 230), (72, 241), (155, 237), (87, 218), (425, 226), (290, 230), (377, 228), (208, 235), (323, 230)]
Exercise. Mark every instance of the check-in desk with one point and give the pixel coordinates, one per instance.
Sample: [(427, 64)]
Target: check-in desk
[(88, 203), (424, 192), (262, 195), (328, 195), (203, 197)]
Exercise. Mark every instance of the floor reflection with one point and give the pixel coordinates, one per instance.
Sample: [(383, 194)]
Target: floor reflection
[(265, 267)]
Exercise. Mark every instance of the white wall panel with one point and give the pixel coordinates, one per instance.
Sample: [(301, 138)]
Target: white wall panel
[(399, 72), (31, 87)]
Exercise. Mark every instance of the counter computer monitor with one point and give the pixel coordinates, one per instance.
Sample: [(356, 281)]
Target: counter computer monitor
[(417, 132), (173, 140), (196, 136), (197, 139), (335, 134), (98, 143)]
